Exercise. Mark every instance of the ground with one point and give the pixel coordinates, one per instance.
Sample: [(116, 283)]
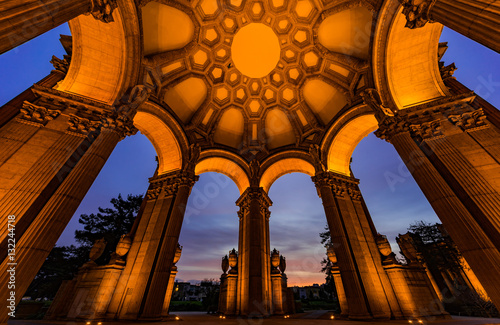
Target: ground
[(309, 318)]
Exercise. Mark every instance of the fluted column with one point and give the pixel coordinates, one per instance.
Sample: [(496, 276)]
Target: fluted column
[(50, 220), (142, 288), (351, 239), (458, 175), (24, 20), (254, 267), (477, 19)]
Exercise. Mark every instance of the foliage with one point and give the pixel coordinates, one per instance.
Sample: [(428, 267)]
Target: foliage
[(108, 223), (438, 250), (63, 262), (326, 265)]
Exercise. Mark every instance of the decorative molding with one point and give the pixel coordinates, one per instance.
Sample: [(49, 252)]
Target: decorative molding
[(60, 65), (417, 15), (82, 126), (427, 131), (102, 10), (470, 121), (36, 115), (170, 183), (339, 184)]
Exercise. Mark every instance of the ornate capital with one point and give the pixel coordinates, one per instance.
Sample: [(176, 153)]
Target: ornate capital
[(339, 184), (391, 126), (427, 131), (417, 12), (103, 10), (36, 115), (119, 123), (82, 126), (170, 183), (255, 194), (470, 121)]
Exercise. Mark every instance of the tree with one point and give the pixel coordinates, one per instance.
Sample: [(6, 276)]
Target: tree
[(326, 265), (108, 223), (63, 262)]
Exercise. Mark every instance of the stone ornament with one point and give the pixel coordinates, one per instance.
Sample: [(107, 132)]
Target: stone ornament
[(178, 252), (225, 264), (315, 153), (417, 15), (97, 249), (36, 115), (470, 121), (102, 10), (123, 245), (233, 261)]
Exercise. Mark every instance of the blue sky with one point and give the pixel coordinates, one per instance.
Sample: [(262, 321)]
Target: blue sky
[(210, 229)]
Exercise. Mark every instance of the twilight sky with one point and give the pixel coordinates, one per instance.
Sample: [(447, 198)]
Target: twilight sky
[(210, 228)]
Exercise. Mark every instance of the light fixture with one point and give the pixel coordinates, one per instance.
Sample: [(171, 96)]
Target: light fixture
[(87, 323), (332, 317), (177, 318), (410, 321), (223, 317), (420, 321), (99, 323)]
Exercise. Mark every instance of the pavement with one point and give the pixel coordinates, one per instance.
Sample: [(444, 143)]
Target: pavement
[(309, 318)]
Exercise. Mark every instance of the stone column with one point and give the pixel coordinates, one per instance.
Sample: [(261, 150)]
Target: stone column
[(24, 20), (369, 295), (143, 284), (171, 282), (477, 19), (459, 176), (254, 266), (50, 219)]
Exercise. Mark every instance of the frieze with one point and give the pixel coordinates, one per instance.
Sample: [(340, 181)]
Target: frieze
[(82, 126), (170, 183), (470, 121), (427, 131), (36, 115)]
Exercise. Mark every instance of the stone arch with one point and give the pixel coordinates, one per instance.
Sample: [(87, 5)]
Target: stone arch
[(119, 42), (164, 133), (226, 163), (405, 61), (343, 137), (282, 164)]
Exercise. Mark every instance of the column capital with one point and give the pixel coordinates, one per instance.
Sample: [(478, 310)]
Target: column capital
[(340, 184), (470, 121), (417, 12), (254, 193), (425, 122), (36, 115), (169, 183)]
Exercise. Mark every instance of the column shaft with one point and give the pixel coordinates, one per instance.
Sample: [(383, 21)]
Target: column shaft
[(41, 235), (24, 20), (254, 267), (462, 225)]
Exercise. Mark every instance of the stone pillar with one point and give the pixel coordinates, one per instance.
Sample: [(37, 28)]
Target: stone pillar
[(276, 284), (22, 21), (368, 292), (49, 218), (143, 285), (254, 266), (477, 19), (171, 282), (449, 148)]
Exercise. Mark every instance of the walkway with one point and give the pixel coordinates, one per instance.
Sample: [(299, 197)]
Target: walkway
[(195, 318)]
